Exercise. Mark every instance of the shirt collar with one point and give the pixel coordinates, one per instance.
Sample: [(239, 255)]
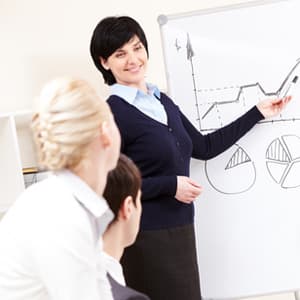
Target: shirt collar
[(129, 93), (153, 90), (96, 204), (114, 268)]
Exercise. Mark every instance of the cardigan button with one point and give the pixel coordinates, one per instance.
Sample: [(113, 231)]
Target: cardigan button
[(170, 129)]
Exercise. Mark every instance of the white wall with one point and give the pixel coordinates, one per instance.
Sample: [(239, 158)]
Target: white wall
[(44, 39)]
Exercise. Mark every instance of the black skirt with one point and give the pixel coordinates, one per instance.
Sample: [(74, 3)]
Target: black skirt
[(163, 264)]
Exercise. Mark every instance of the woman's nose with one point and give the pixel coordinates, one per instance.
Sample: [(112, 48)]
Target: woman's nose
[(132, 57)]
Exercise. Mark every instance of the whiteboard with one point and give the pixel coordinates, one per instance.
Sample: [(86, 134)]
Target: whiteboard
[(219, 63)]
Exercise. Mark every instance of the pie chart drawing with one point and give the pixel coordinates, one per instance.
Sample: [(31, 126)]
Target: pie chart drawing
[(232, 172), (283, 161)]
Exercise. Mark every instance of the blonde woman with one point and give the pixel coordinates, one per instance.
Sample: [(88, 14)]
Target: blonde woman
[(49, 238)]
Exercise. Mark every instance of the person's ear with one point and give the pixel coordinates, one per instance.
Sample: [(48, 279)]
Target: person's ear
[(105, 135), (126, 208), (104, 63)]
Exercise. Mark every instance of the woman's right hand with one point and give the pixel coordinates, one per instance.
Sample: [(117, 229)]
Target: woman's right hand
[(187, 189)]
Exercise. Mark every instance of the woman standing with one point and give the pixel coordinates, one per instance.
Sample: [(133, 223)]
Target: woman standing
[(161, 141), (50, 236)]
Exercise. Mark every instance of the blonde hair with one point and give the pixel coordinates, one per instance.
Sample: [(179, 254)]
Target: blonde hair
[(69, 117)]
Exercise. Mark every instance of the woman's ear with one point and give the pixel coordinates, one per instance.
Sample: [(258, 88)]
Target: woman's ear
[(126, 208), (105, 135), (104, 63)]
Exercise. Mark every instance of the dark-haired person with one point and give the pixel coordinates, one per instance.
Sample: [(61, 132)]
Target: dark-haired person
[(161, 141), (123, 195)]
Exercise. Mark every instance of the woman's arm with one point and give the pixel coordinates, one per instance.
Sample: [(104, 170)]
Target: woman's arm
[(153, 187), (212, 144)]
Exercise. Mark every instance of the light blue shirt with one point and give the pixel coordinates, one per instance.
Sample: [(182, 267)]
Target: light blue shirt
[(149, 104)]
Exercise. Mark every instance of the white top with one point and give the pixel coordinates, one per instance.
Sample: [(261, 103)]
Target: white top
[(114, 268), (49, 242)]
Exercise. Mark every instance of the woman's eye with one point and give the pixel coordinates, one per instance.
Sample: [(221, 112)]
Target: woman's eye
[(118, 55)]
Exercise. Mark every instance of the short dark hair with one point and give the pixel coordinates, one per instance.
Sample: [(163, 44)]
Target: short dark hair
[(111, 34), (125, 180)]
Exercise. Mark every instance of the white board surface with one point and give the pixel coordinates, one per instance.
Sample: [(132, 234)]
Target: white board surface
[(219, 64)]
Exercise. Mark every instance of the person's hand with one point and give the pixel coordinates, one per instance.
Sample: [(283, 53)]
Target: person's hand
[(272, 107), (187, 189)]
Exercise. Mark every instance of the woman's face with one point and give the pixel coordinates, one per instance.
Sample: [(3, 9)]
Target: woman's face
[(128, 63)]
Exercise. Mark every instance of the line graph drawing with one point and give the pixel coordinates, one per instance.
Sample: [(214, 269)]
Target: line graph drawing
[(236, 176), (213, 104), (283, 161), (278, 93)]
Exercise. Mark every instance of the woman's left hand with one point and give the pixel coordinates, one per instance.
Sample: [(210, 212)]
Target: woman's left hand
[(272, 107)]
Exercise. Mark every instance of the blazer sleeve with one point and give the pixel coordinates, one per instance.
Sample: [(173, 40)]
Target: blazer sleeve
[(212, 144), (153, 187)]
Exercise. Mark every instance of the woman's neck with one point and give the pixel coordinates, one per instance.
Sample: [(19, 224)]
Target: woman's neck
[(93, 169), (95, 179), (142, 86)]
